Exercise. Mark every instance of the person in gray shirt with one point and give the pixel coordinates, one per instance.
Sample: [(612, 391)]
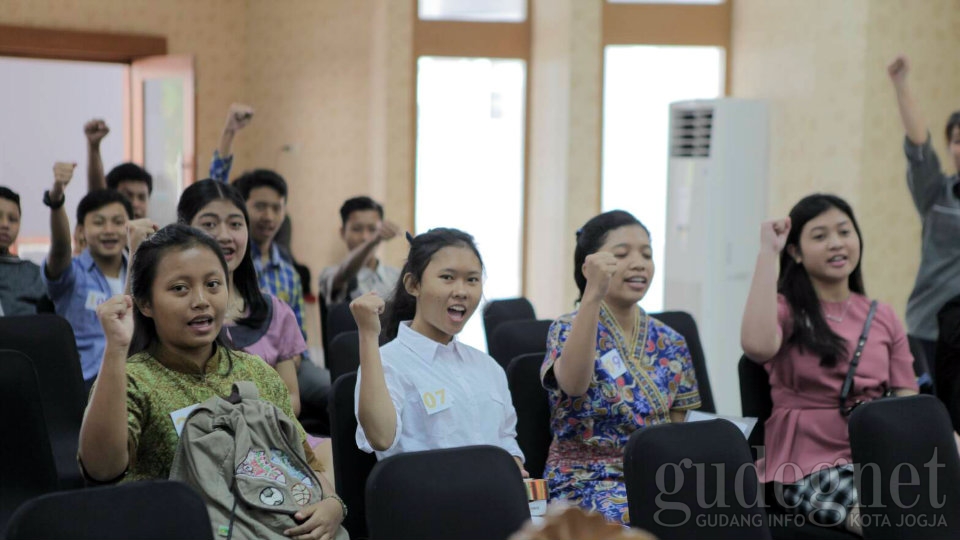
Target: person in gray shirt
[(937, 198), (361, 271), (21, 287)]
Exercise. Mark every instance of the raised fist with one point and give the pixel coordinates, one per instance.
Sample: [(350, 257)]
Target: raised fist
[(598, 269), (366, 311), (238, 117), (95, 130)]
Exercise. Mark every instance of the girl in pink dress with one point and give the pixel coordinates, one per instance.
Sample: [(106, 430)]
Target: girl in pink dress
[(802, 323)]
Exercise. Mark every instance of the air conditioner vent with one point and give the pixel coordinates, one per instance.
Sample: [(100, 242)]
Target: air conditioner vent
[(690, 132)]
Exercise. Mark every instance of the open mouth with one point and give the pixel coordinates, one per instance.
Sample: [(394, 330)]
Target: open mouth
[(201, 323), (637, 282), (837, 261), (228, 252), (457, 313), (110, 244)]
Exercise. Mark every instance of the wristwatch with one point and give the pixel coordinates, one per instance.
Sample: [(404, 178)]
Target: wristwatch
[(53, 204)]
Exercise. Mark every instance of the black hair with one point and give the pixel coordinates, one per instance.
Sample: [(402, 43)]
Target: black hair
[(952, 123), (11, 195), (143, 272), (193, 200), (591, 237), (99, 198), (359, 204), (810, 329), (129, 172), (256, 178), (403, 305)]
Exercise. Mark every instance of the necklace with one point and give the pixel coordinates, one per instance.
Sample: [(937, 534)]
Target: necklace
[(843, 314)]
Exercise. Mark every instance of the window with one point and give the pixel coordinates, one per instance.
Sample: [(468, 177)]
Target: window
[(470, 163), (474, 10), (640, 82)]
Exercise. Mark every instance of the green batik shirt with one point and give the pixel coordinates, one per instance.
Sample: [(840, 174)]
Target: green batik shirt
[(154, 391)]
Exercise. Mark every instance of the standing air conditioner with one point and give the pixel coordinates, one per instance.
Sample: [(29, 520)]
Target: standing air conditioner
[(716, 200)]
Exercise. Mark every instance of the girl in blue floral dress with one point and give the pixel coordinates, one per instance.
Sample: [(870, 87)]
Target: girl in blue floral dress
[(610, 369)]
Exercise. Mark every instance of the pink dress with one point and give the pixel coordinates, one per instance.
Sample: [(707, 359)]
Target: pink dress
[(806, 428)]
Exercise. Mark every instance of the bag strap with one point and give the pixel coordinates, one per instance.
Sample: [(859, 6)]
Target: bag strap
[(243, 390), (848, 382)]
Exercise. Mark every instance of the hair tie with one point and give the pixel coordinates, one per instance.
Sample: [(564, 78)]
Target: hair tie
[(409, 238), (579, 232)]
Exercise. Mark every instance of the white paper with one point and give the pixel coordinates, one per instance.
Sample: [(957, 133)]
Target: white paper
[(744, 424)]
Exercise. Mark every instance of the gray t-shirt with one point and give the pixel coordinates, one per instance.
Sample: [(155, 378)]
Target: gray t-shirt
[(21, 286), (936, 198)]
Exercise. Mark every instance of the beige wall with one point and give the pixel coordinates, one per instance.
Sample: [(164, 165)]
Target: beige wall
[(318, 74), (834, 122)]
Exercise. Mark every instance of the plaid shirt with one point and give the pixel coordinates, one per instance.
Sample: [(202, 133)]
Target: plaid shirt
[(279, 278), (277, 274)]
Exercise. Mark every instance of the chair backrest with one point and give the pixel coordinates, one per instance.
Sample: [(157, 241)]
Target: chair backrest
[(683, 323), (351, 465), (755, 397), (692, 465), (24, 444), (147, 510), (49, 342), (497, 312), (907, 456), (471, 492), (533, 411), (339, 320), (946, 364), (513, 338), (343, 356)]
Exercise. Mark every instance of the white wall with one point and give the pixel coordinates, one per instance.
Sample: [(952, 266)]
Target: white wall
[(43, 107)]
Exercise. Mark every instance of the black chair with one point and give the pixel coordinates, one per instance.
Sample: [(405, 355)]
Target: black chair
[(343, 356), (497, 312), (755, 398), (533, 411), (29, 468), (49, 342), (350, 464), (339, 320), (472, 492), (513, 338), (145, 510), (893, 440), (683, 323), (668, 467), (946, 365)]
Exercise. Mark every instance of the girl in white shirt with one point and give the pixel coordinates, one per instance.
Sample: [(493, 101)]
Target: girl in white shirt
[(425, 390)]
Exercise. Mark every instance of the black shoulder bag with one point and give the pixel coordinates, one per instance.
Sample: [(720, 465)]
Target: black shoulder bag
[(848, 382)]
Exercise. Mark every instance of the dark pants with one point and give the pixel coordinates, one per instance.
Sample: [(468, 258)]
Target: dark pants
[(314, 391)]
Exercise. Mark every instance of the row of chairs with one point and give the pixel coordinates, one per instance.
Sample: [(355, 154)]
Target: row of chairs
[(475, 492)]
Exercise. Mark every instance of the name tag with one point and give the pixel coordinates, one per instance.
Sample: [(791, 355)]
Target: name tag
[(613, 364), (179, 417), (94, 299), (435, 400)]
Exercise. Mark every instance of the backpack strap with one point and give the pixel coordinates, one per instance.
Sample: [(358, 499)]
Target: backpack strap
[(243, 390)]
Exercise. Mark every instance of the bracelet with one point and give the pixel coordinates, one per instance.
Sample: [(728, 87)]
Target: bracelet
[(343, 505), (53, 204)]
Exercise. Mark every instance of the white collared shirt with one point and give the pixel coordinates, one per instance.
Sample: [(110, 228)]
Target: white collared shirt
[(445, 396)]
